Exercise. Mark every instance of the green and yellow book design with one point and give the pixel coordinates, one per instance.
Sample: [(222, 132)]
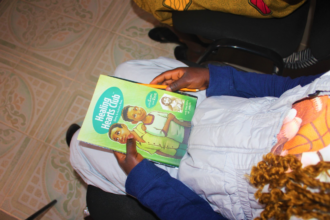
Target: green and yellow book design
[(159, 120)]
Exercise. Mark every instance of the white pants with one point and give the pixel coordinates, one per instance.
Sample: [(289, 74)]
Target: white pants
[(98, 166)]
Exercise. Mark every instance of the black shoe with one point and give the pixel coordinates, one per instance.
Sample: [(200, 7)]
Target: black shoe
[(70, 132), (181, 52), (163, 35)]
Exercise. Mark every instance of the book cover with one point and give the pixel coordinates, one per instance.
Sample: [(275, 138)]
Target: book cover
[(158, 119)]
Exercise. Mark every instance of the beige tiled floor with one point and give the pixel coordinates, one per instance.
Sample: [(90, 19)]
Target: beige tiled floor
[(51, 54)]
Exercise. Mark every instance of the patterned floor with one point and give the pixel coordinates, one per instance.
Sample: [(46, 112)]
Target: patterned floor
[(51, 54)]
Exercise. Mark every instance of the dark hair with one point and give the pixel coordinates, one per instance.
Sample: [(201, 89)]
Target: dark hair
[(124, 113), (115, 125)]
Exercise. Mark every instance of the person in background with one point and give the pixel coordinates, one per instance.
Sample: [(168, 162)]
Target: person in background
[(161, 10)]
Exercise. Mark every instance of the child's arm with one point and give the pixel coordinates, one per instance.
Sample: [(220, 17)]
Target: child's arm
[(226, 80), (148, 184), (172, 117)]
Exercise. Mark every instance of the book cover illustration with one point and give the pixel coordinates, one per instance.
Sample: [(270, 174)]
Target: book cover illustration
[(159, 120)]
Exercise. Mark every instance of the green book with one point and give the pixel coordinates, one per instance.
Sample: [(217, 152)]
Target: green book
[(159, 120)]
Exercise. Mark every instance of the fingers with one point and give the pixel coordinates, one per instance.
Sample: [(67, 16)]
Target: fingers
[(179, 84), (119, 156), (130, 146), (167, 82), (175, 79), (168, 75), (184, 77), (132, 158)]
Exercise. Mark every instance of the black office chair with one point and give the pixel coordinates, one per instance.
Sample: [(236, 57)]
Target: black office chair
[(274, 38), (103, 205), (319, 46)]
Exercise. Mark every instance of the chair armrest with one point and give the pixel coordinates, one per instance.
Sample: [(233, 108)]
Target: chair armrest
[(247, 47)]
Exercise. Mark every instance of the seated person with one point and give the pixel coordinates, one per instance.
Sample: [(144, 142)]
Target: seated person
[(229, 137), (251, 8), (158, 123)]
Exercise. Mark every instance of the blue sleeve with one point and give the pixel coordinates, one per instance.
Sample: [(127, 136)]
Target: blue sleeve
[(167, 197), (226, 80)]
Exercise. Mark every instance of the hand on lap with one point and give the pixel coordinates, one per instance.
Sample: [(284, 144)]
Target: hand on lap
[(184, 77), (132, 158)]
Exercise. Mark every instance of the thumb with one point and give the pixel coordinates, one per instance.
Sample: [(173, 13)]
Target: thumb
[(131, 145), (119, 156), (178, 84)]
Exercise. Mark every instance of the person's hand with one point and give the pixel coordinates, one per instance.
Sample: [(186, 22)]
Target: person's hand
[(184, 77), (132, 158)]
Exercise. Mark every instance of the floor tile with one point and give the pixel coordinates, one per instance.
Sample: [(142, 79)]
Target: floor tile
[(48, 176), (61, 45), (29, 95), (113, 14), (15, 99), (51, 55), (88, 11), (5, 216), (72, 109), (46, 4), (8, 62), (8, 58), (110, 52), (135, 23), (17, 27), (30, 20), (13, 154)]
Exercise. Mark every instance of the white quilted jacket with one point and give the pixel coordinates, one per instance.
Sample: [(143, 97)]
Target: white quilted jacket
[(229, 136)]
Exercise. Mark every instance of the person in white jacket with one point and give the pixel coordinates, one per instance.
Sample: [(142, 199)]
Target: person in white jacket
[(229, 134)]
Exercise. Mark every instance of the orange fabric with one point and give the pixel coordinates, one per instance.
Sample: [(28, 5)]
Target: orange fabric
[(314, 133), (251, 8)]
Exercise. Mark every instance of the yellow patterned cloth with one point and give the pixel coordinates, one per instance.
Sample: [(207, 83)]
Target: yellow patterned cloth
[(251, 8)]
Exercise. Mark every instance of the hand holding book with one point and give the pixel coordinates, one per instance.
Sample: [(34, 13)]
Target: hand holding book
[(120, 108), (184, 77), (132, 158)]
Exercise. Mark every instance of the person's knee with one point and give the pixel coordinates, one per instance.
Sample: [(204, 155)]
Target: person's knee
[(74, 152), (126, 67), (74, 138)]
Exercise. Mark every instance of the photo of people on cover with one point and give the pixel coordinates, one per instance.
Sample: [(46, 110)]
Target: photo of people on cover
[(155, 132), (171, 103)]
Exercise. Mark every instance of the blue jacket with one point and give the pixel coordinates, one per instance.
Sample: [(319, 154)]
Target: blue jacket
[(168, 197)]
